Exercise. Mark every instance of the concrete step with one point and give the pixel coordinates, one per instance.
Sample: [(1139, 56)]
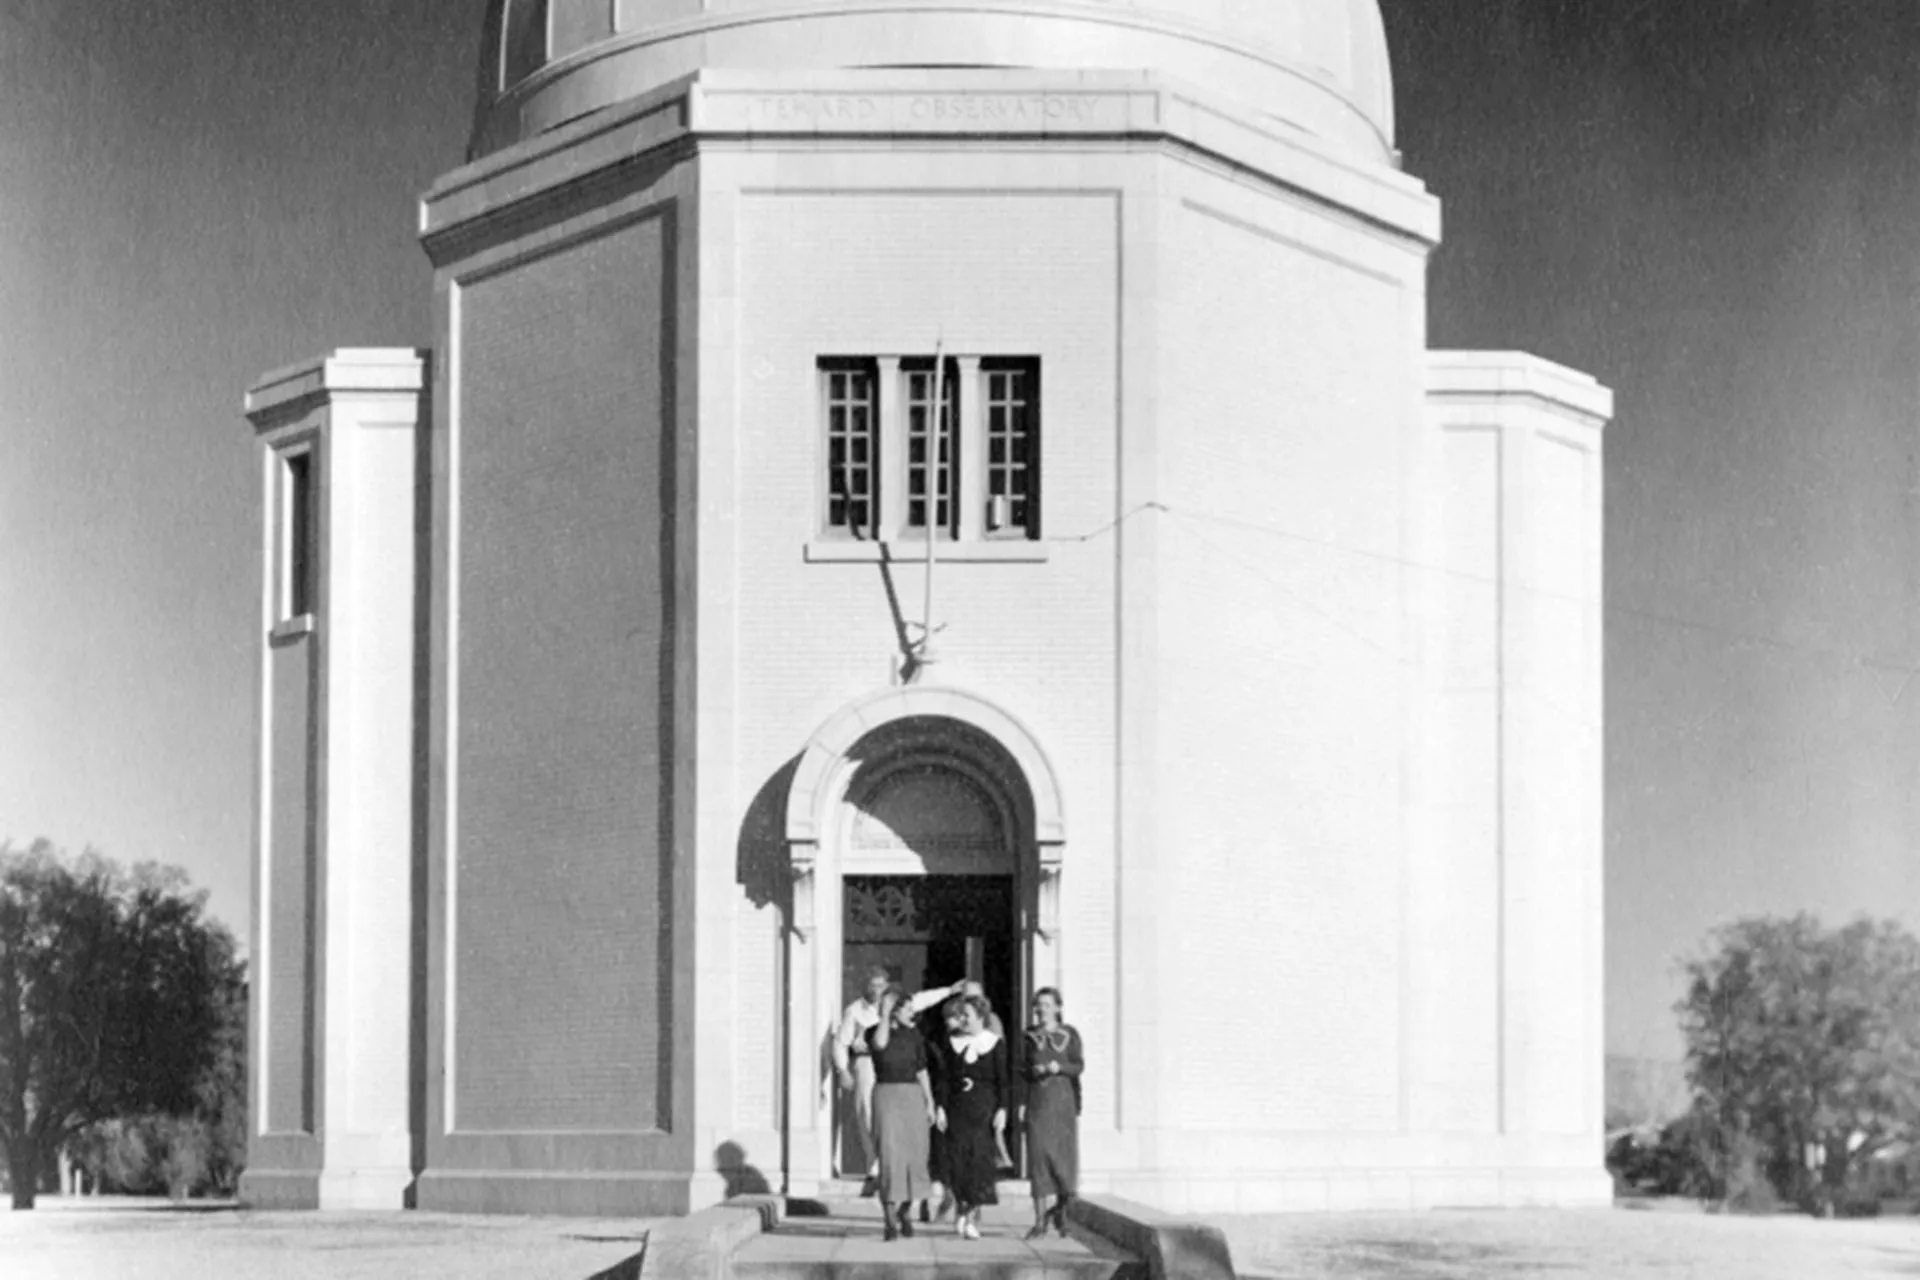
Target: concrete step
[(847, 1243)]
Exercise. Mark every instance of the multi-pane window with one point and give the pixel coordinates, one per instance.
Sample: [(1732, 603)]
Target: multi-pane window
[(894, 465), (853, 447), (1012, 391), (931, 449)]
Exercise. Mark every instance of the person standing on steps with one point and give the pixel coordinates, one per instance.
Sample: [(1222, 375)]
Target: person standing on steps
[(979, 991), (853, 1062), (1051, 1061), (853, 1068), (903, 1113), (970, 1091), (950, 1015)]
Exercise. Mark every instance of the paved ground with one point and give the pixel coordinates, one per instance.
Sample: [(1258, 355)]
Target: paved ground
[(134, 1240), (1600, 1244), (121, 1239)]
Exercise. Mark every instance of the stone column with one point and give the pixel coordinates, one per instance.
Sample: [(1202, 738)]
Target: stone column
[(1548, 743), (333, 1085)]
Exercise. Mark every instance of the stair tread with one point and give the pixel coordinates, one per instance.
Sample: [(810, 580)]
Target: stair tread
[(847, 1244)]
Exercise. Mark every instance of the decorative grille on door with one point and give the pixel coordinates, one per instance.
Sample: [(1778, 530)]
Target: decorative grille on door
[(916, 908)]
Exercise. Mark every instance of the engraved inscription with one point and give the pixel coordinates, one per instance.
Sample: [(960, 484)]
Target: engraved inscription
[(816, 108), (1001, 109), (937, 111)]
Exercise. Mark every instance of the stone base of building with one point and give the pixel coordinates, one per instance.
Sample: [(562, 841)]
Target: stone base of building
[(280, 1189), (584, 1195), (366, 1189)]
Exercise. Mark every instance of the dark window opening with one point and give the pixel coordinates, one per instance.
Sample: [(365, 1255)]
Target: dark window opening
[(301, 560)]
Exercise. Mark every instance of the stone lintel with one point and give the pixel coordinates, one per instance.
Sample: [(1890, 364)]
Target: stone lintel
[(856, 107), (1487, 376), (343, 370)]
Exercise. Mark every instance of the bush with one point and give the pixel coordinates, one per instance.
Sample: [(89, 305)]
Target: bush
[(1748, 1188), (187, 1157), (128, 1164), (176, 1156)]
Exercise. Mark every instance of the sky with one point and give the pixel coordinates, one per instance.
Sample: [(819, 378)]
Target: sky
[(1710, 206)]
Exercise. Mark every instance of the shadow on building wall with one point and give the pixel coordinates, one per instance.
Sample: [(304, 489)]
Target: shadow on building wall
[(742, 1178), (762, 863)]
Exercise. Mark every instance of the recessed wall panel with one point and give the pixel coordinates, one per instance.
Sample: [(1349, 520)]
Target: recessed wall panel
[(563, 693), (291, 892)]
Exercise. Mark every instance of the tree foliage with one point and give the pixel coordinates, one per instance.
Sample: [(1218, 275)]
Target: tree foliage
[(1802, 1038), (111, 989)]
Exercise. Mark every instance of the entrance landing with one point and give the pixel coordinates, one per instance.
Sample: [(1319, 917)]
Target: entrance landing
[(846, 1243)]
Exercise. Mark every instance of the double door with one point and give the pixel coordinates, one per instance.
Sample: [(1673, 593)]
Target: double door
[(932, 930)]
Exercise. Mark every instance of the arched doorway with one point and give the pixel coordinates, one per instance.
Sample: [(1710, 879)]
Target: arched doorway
[(929, 890), (925, 835)]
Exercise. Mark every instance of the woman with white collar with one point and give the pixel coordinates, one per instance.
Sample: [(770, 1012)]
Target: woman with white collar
[(971, 1092)]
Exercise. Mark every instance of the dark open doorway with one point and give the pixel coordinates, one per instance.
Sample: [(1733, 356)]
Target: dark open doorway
[(931, 930)]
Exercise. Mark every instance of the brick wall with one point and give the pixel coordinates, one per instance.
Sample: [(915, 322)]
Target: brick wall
[(1283, 657), (564, 661), (288, 985)]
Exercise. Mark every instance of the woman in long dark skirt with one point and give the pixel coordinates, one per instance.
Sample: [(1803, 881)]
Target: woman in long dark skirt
[(1051, 1061), (970, 1092), (902, 1112)]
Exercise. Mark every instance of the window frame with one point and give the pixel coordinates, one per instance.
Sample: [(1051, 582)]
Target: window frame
[(297, 531), (945, 439), (1029, 529), (966, 533), (877, 453)]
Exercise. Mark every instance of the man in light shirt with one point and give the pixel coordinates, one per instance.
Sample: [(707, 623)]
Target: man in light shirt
[(853, 1064)]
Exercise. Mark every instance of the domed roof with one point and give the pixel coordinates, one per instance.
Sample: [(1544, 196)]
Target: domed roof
[(1319, 65)]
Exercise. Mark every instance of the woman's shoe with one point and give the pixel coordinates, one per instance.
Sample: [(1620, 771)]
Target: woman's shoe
[(1060, 1220), (970, 1228), (1037, 1230), (906, 1221), (890, 1232)]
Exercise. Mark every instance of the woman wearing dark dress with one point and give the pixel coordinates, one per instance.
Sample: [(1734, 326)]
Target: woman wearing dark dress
[(902, 1112), (970, 1093), (1050, 1063)]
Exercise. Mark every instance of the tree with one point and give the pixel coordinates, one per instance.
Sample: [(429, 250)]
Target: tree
[(220, 1094), (1803, 1044), (110, 998)]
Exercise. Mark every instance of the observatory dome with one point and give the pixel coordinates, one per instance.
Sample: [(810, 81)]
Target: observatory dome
[(1318, 66)]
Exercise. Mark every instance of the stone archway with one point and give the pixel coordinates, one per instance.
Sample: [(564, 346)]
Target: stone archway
[(824, 772), (885, 778), (810, 797)]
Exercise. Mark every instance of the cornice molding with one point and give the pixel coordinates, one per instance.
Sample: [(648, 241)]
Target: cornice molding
[(977, 110), (346, 370)]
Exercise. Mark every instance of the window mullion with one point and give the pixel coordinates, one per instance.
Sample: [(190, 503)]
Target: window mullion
[(971, 454), (891, 475)]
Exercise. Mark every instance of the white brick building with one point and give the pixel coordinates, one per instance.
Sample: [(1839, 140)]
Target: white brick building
[(1264, 709)]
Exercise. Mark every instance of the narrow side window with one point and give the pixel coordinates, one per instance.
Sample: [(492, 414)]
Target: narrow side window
[(299, 564)]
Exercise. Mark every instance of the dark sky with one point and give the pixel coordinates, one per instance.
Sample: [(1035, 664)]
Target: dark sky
[(1711, 206)]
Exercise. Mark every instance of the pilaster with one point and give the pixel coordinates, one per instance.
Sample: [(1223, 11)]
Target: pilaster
[(334, 1085)]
